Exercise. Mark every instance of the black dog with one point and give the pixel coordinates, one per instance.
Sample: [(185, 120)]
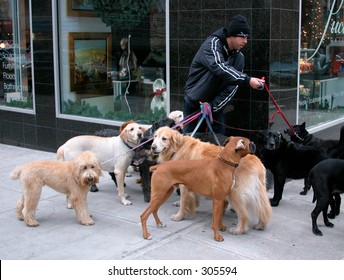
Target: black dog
[(327, 180), (332, 148), (302, 136), (286, 159)]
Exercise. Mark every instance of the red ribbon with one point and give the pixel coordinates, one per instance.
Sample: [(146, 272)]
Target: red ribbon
[(159, 91)]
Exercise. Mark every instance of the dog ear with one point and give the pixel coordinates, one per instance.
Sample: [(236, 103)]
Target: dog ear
[(177, 139), (123, 135), (125, 124), (240, 145)]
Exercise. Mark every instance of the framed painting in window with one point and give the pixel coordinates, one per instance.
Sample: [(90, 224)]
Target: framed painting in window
[(89, 59), (80, 8)]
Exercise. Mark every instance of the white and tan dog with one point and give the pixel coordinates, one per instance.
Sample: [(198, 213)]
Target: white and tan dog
[(115, 153), (72, 178)]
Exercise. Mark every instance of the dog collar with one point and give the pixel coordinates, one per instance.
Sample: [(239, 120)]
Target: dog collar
[(235, 165), (125, 143)]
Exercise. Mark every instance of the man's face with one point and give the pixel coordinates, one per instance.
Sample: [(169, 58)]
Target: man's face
[(236, 43)]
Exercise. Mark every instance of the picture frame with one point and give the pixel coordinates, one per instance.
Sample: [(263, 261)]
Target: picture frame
[(89, 60), (80, 8)]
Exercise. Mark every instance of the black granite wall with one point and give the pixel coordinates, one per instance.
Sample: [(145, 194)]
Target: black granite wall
[(274, 42), (274, 26)]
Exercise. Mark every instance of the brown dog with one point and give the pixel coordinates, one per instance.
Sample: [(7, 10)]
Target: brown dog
[(72, 178), (212, 178), (169, 144)]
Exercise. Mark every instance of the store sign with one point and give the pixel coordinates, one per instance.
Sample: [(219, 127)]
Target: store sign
[(335, 27)]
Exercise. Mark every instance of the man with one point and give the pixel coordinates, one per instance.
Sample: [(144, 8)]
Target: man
[(216, 72)]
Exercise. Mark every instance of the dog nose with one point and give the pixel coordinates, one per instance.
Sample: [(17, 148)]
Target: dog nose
[(139, 135), (153, 147)]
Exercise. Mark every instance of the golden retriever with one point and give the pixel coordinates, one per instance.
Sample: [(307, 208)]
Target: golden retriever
[(72, 178)]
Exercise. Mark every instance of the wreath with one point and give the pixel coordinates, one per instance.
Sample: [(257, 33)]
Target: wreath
[(122, 14)]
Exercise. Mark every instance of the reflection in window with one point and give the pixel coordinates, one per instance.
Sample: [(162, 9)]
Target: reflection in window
[(113, 59), (321, 62), (15, 54)]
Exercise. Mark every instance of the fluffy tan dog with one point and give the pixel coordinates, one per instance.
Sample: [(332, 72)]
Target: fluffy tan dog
[(115, 153), (249, 195), (72, 178), (212, 178)]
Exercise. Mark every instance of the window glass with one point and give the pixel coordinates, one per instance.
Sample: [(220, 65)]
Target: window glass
[(15, 55), (321, 92), (113, 59)]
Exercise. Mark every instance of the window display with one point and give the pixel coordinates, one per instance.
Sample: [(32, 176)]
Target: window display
[(110, 58), (15, 55), (321, 89)]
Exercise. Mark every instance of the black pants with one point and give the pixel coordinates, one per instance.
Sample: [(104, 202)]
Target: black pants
[(217, 125)]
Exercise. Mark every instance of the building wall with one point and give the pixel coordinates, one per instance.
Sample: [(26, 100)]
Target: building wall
[(274, 38)]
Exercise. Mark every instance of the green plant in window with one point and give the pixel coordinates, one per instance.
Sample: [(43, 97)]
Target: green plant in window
[(122, 14), (20, 104), (81, 109), (146, 117)]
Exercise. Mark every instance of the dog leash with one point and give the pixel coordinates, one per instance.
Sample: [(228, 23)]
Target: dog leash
[(207, 116), (279, 110)]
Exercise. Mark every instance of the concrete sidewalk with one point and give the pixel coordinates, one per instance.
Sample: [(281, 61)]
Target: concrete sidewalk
[(117, 233)]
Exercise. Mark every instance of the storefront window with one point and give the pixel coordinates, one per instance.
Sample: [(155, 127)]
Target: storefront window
[(112, 59), (15, 55), (321, 96)]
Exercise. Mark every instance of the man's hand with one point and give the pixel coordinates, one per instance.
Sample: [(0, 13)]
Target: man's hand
[(257, 83)]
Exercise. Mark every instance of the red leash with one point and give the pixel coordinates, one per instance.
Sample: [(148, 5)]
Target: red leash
[(279, 109)]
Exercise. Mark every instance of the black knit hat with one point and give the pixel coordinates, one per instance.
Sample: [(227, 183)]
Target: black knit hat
[(238, 26)]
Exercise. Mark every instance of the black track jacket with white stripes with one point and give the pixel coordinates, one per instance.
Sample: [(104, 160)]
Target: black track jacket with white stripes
[(215, 73)]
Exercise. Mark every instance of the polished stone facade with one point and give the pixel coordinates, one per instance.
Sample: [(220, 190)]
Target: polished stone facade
[(274, 42)]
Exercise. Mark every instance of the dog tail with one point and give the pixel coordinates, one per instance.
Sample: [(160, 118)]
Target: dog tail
[(15, 173), (153, 168), (310, 181)]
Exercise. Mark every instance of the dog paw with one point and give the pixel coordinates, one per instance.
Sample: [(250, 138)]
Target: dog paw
[(303, 192), (259, 227), (235, 231), (176, 203), (317, 232), (274, 203), (32, 223), (94, 188), (88, 223), (148, 236), (219, 238), (177, 217), (126, 202), (329, 224), (161, 225)]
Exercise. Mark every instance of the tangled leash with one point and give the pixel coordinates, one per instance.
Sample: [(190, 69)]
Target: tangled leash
[(208, 117)]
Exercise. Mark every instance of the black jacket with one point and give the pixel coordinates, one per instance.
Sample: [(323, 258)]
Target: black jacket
[(215, 73)]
